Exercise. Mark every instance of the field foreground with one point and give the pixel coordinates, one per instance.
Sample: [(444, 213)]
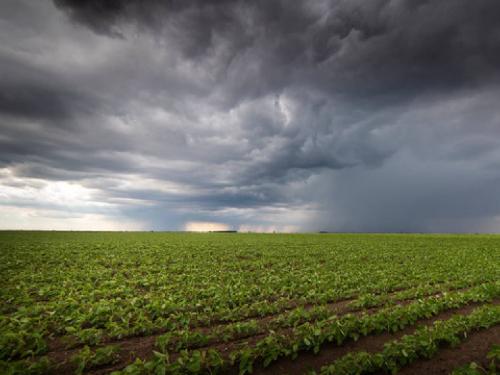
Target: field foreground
[(179, 303)]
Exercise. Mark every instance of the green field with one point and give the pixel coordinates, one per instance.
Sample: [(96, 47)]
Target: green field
[(154, 303)]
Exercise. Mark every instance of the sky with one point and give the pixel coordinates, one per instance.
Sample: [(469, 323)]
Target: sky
[(265, 115)]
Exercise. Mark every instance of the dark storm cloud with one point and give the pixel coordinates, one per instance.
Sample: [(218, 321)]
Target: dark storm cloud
[(384, 47), (372, 56), (34, 93), (201, 109)]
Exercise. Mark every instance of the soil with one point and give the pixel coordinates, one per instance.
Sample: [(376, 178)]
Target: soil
[(331, 352), (339, 307), (473, 349), (142, 347), (306, 361)]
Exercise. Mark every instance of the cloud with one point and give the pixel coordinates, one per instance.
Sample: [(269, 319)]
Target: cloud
[(201, 226), (17, 218), (256, 114)]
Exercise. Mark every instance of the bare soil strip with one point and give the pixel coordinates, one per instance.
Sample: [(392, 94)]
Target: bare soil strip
[(306, 360), (473, 349), (340, 307), (371, 344)]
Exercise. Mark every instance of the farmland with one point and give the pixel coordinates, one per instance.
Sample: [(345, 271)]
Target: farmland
[(185, 303)]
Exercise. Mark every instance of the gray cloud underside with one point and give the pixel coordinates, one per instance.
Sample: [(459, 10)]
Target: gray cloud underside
[(378, 115)]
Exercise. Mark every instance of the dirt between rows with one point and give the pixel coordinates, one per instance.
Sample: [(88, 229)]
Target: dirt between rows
[(473, 349), (371, 344), (329, 352), (339, 307)]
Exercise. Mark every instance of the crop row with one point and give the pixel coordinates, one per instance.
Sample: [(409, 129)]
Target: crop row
[(424, 343), (190, 339), (69, 290), (213, 283), (304, 337), (474, 368), (310, 337), (24, 341)]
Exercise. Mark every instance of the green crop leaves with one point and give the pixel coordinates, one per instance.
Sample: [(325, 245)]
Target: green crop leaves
[(424, 343), (43, 366), (21, 344), (311, 336), (475, 369), (87, 359), (284, 294)]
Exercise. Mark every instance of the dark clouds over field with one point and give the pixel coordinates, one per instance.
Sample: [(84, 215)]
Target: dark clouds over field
[(261, 115)]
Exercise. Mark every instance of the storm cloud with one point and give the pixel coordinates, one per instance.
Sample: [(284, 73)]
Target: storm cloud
[(259, 115)]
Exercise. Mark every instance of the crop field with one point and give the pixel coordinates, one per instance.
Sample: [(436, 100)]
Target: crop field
[(186, 303)]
